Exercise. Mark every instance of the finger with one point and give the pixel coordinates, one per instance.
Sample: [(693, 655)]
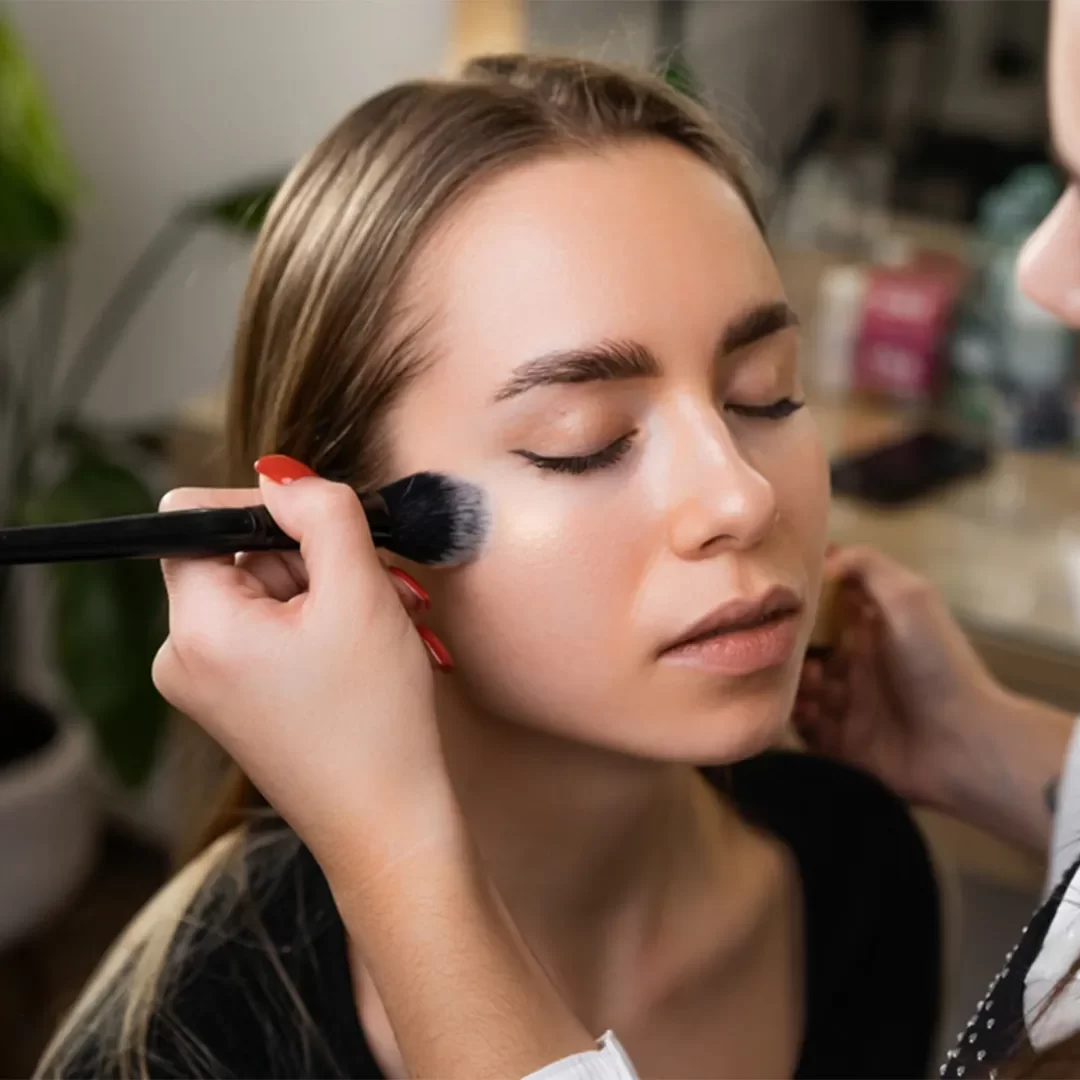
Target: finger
[(439, 653), (868, 612), (280, 574), (816, 731), (199, 576), (805, 697), (883, 579), (192, 498), (864, 683), (802, 721), (864, 642), (812, 674), (328, 522), (847, 650), (834, 697), (413, 595)]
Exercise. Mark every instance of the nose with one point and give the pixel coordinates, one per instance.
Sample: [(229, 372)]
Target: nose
[(718, 500), (1048, 270)]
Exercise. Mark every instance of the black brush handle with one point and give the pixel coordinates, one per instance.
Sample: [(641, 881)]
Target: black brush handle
[(173, 534)]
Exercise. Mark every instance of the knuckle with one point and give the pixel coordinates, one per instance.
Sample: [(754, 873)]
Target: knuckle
[(916, 589), (185, 498), (165, 673), (334, 510), (194, 644), (335, 501)]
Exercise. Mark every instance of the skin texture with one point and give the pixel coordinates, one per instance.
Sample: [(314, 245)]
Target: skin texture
[(904, 695), (550, 865), (1049, 267), (587, 577), (544, 793), (565, 738)]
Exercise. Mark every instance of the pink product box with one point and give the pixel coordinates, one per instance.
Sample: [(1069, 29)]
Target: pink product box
[(901, 348)]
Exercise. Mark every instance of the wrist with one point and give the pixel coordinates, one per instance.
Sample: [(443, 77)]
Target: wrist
[(996, 776), (384, 850)]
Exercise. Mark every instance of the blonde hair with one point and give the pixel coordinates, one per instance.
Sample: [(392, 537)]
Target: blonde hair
[(326, 344)]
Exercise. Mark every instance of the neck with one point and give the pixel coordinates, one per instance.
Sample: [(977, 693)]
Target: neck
[(588, 848)]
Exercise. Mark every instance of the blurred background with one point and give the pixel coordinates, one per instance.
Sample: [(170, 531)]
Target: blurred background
[(903, 158)]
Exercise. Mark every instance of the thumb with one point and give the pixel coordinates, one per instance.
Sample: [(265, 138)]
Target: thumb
[(328, 522), (887, 582)]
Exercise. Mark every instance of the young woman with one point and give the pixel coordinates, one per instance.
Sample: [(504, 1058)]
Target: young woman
[(548, 278), (906, 698)]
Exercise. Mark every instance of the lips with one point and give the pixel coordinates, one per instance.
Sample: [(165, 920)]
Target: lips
[(737, 615)]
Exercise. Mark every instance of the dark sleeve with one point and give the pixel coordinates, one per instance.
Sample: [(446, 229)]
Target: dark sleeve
[(257, 985), (873, 914)]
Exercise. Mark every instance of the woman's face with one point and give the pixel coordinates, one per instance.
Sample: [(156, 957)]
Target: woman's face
[(1049, 267), (616, 365)]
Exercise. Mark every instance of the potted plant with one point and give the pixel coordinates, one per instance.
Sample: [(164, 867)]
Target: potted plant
[(106, 620), (43, 764)]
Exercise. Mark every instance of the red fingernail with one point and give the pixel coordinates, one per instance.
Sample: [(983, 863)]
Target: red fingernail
[(282, 469), (413, 586), (437, 649)]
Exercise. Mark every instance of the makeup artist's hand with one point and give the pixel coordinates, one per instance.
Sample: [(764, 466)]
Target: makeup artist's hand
[(306, 667), (905, 696)]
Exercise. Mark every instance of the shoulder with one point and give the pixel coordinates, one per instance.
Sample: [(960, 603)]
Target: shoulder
[(233, 969), (827, 813), (850, 836), (871, 907)]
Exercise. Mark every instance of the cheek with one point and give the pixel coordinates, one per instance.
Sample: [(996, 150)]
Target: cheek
[(545, 613), (797, 468)]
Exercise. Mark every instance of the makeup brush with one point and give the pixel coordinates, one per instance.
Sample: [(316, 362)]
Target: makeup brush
[(427, 518)]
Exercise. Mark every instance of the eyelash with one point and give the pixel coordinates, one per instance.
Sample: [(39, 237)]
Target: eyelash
[(614, 452), (775, 410), (582, 463)]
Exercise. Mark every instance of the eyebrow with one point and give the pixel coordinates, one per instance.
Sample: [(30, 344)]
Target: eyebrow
[(759, 322), (614, 360)]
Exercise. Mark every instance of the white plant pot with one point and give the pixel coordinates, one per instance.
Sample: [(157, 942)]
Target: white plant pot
[(49, 826), (171, 807)]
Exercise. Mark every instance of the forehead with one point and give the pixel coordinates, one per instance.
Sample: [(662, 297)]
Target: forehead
[(1065, 79), (640, 241)]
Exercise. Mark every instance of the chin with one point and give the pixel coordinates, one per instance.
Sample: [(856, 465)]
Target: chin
[(722, 724), (718, 735), (736, 740)]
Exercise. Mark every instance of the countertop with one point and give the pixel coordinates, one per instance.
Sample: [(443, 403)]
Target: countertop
[(1004, 549)]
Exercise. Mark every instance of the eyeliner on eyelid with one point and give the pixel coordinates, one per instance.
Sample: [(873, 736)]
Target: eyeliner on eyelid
[(610, 455)]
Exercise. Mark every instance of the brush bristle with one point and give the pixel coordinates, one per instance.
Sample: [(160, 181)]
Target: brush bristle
[(437, 520)]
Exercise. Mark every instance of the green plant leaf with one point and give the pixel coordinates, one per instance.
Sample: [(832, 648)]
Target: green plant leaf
[(242, 209), (104, 649), (38, 187), (29, 226), (678, 77), (108, 617)]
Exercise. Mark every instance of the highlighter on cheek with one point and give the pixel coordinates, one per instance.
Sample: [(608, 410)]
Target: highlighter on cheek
[(826, 629)]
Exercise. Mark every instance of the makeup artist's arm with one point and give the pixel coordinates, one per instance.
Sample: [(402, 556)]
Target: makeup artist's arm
[(905, 696), (464, 994), (309, 672)]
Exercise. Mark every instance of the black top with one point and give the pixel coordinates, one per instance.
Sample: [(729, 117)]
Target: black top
[(872, 932)]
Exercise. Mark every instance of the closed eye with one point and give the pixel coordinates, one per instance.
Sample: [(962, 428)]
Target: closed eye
[(775, 410), (577, 464)]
